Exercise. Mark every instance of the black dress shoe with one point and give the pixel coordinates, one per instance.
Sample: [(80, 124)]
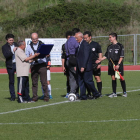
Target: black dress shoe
[(97, 96), (91, 98), (12, 99), (35, 100), (83, 99), (46, 100), (89, 95)]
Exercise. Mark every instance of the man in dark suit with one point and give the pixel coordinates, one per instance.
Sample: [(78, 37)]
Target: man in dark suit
[(8, 51), (84, 68)]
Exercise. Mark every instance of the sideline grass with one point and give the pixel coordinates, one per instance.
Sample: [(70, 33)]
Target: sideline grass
[(74, 120)]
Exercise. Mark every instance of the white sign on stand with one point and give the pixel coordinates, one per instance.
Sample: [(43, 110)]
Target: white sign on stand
[(56, 50)]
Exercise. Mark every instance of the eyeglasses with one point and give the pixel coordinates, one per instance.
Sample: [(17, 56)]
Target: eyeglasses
[(34, 39)]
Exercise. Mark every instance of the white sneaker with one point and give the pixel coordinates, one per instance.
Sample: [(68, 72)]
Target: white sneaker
[(112, 95), (124, 94)]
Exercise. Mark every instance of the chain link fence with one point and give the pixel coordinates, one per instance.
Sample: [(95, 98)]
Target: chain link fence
[(137, 49), (129, 43)]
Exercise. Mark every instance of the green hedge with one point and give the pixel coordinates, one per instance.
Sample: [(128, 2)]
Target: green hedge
[(68, 15)]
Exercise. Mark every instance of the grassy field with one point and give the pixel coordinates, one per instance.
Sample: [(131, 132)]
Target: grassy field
[(101, 119)]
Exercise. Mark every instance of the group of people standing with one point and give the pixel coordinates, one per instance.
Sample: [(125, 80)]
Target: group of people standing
[(18, 60), (81, 59)]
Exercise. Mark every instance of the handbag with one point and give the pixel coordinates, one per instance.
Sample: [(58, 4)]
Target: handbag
[(72, 60)]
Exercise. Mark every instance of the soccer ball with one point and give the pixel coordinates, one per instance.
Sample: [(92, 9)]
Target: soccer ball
[(72, 97)]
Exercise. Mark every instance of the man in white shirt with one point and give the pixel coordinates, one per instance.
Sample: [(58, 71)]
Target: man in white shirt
[(38, 68)]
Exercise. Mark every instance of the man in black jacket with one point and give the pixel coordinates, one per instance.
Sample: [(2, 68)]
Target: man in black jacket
[(96, 53), (8, 51), (84, 68)]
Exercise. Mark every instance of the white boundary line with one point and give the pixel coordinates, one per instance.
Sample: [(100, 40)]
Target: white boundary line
[(101, 121), (65, 88), (35, 107), (129, 91), (49, 105)]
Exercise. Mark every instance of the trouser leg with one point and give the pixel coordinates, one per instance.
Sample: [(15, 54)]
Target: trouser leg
[(43, 79), (81, 85), (26, 95), (88, 79), (34, 76), (72, 80), (11, 74), (21, 89)]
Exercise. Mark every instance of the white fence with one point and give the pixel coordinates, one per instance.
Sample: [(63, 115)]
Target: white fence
[(130, 42), (131, 45)]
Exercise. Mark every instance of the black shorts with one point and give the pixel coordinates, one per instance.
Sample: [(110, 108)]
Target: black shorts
[(97, 72), (111, 70)]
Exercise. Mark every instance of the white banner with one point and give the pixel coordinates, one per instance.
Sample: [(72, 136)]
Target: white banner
[(56, 51)]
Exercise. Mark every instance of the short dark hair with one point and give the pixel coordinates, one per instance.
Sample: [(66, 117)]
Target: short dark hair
[(87, 33), (114, 35), (75, 30), (9, 36), (68, 33)]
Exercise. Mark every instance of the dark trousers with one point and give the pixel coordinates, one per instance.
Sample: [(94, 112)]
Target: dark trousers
[(36, 71), (23, 89), (72, 79), (11, 74), (85, 79)]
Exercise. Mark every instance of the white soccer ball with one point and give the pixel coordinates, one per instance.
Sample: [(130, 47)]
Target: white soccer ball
[(72, 97)]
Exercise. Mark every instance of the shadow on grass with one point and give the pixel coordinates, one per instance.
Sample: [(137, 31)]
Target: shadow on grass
[(110, 94), (63, 95), (8, 98)]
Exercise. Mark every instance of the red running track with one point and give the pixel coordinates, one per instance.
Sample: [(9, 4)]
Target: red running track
[(103, 68)]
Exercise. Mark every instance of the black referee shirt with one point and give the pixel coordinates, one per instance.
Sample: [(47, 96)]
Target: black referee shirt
[(96, 49), (115, 51)]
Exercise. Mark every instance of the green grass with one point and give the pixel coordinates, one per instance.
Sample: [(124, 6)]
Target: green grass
[(71, 120)]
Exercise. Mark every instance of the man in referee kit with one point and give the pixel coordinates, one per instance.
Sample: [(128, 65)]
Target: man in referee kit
[(96, 53), (115, 56)]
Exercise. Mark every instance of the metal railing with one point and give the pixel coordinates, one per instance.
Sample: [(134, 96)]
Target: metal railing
[(131, 43)]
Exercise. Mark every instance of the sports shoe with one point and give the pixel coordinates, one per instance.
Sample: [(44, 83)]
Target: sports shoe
[(42, 97), (31, 101), (12, 99), (66, 95), (50, 96), (124, 94), (112, 95), (23, 102)]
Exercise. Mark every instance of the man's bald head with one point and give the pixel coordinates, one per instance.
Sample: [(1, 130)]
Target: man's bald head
[(34, 38), (79, 37)]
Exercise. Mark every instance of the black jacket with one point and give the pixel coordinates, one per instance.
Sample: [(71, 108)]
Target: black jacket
[(6, 50), (84, 58)]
